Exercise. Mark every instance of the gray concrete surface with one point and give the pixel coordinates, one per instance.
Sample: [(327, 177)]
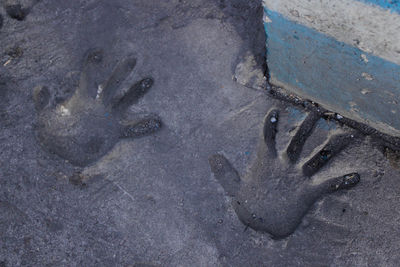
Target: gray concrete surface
[(153, 201)]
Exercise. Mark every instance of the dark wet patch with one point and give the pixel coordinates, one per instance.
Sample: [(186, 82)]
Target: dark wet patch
[(142, 128), (335, 145), (343, 182), (349, 181), (17, 11)]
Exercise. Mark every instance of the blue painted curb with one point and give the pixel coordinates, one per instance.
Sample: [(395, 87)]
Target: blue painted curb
[(340, 76)]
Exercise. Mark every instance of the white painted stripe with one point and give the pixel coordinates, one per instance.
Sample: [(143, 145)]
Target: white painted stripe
[(370, 28)]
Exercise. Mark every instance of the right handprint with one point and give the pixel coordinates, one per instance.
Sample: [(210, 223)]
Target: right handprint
[(278, 191)]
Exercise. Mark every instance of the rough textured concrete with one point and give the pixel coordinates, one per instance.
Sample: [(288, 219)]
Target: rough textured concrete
[(154, 200)]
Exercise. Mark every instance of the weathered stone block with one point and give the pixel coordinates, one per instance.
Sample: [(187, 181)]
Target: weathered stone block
[(343, 54)]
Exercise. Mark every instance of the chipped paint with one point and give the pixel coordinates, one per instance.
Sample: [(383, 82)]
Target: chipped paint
[(367, 76), (365, 91), (338, 75), (364, 58), (266, 19), (392, 5)]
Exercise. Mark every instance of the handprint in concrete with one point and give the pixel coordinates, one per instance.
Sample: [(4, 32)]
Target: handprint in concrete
[(278, 190), (88, 125)]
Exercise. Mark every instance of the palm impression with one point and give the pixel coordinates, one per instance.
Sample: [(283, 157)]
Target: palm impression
[(89, 124), (278, 191)]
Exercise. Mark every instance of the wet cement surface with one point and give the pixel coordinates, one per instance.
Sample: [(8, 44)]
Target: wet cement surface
[(154, 200)]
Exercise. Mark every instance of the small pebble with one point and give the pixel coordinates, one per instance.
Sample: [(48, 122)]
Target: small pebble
[(273, 119), (339, 117)]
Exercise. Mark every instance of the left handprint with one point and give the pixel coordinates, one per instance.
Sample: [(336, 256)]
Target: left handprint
[(89, 124)]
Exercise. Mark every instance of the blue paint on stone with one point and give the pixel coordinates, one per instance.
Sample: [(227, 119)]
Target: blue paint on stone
[(295, 115), (331, 72), (326, 125), (393, 5)]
